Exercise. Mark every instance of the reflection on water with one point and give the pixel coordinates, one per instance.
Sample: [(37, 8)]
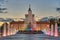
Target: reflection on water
[(29, 37)]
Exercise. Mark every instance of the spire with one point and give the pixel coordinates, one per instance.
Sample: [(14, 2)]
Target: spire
[(29, 7)]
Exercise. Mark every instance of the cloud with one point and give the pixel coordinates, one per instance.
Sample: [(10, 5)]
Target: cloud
[(58, 9), (6, 20)]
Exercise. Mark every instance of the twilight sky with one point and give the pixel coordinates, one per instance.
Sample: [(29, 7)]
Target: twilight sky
[(41, 8)]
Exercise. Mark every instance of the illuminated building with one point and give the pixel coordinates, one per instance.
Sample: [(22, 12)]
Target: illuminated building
[(30, 19), (29, 24), (17, 25), (34, 25)]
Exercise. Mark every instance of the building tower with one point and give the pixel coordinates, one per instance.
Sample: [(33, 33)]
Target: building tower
[(30, 18)]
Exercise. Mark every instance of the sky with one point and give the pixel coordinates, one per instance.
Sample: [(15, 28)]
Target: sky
[(41, 8)]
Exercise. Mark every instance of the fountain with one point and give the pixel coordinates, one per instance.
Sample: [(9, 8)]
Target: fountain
[(51, 29), (56, 30), (48, 30)]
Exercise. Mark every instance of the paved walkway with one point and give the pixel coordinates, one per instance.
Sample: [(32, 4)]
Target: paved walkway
[(30, 37)]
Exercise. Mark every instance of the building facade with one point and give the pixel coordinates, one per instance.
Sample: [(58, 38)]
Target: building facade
[(29, 20)]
